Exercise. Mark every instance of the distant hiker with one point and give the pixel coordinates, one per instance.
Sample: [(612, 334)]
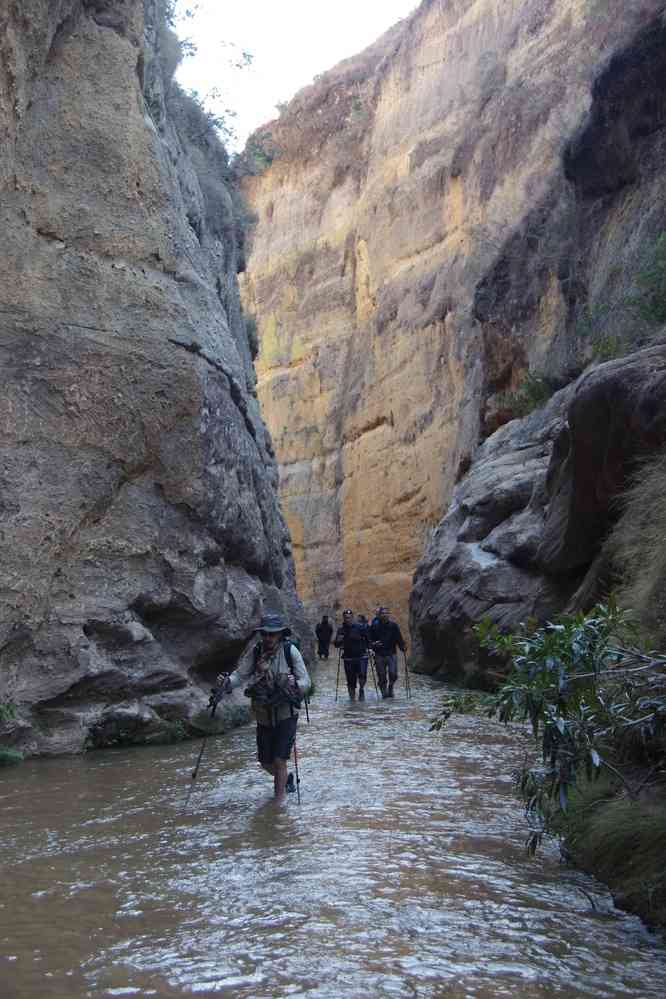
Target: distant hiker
[(277, 682), (385, 638), (352, 640), (324, 633)]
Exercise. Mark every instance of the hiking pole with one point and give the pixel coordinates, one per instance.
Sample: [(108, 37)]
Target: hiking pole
[(337, 679), (298, 779), (408, 682), (216, 696), (371, 657)]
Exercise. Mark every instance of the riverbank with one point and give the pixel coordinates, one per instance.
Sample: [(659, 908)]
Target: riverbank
[(621, 840)]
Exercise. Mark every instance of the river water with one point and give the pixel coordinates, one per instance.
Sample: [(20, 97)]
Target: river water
[(402, 873)]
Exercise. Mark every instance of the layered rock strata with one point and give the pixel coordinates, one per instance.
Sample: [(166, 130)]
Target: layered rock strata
[(460, 204), (140, 528)]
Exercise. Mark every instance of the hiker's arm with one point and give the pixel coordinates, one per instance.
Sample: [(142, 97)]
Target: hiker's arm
[(244, 670), (301, 675), (401, 641)]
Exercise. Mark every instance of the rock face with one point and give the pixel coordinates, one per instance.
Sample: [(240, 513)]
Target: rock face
[(140, 529), (464, 202), (523, 537)]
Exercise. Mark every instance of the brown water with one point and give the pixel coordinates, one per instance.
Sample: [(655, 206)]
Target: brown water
[(401, 874)]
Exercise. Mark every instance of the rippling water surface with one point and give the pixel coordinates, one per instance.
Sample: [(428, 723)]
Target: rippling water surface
[(401, 874)]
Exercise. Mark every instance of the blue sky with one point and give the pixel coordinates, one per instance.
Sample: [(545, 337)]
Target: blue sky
[(290, 43)]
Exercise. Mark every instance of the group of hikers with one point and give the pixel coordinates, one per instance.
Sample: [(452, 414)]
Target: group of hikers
[(357, 640), (276, 680)]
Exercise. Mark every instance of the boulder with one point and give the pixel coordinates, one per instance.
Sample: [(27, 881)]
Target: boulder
[(523, 538)]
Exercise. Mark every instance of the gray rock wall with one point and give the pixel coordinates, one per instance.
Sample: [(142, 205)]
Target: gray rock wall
[(140, 532), (524, 537)]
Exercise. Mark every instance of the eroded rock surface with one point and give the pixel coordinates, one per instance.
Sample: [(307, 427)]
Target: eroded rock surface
[(524, 535), (465, 201), (140, 529)]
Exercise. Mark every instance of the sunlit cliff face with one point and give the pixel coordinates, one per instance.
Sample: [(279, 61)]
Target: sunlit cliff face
[(414, 257)]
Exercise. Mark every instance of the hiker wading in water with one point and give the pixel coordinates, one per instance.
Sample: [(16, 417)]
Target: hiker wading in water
[(277, 681), (385, 638), (352, 639), (324, 633)]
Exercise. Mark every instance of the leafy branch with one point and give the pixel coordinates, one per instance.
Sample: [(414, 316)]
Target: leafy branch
[(593, 700)]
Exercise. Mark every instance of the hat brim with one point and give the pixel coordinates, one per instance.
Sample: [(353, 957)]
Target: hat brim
[(273, 631)]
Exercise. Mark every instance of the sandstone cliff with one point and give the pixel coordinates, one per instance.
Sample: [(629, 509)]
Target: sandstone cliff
[(461, 204), (140, 529)]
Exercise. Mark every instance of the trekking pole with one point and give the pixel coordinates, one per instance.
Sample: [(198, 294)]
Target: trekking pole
[(298, 779), (337, 679), (373, 671), (408, 682), (215, 698)]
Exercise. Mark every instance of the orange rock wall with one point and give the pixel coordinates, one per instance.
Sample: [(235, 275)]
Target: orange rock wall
[(400, 178)]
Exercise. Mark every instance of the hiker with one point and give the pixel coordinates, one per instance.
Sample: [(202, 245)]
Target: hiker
[(277, 681), (352, 640), (385, 637), (324, 633)]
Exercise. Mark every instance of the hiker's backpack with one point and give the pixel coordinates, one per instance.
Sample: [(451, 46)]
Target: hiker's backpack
[(281, 694), (287, 645)]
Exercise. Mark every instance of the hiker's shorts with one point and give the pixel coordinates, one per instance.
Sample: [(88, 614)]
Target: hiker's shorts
[(276, 742), (386, 664)]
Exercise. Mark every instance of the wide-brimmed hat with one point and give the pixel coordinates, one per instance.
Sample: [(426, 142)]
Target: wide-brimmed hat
[(273, 623)]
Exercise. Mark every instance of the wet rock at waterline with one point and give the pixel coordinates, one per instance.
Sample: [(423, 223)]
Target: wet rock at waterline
[(140, 530), (524, 535)]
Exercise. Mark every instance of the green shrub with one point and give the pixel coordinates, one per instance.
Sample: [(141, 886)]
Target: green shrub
[(637, 548), (651, 283), (9, 757), (595, 706), (621, 840), (7, 711), (533, 393)]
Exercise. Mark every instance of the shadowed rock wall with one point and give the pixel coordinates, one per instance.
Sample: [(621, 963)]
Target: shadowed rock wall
[(140, 532), (436, 223)]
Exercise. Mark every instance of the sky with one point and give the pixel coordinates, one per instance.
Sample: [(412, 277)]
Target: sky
[(290, 42)]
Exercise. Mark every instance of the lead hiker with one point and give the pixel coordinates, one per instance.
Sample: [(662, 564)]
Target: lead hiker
[(324, 633), (277, 681), (352, 640), (385, 637)]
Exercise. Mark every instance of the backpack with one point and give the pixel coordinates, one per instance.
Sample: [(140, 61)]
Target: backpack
[(287, 645)]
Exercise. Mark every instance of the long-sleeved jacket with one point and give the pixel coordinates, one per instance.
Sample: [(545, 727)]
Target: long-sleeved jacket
[(386, 637), (324, 631), (246, 674), (353, 640)]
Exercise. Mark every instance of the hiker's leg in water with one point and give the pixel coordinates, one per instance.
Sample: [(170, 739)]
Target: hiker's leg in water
[(392, 672), (351, 673), (280, 778), (362, 677), (380, 665)]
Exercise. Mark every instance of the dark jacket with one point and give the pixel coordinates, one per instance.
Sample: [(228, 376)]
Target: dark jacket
[(353, 640), (324, 631), (385, 638)]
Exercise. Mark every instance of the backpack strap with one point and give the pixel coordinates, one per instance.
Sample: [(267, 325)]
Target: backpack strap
[(288, 655)]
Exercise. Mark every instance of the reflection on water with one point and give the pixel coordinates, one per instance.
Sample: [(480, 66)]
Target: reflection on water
[(401, 874)]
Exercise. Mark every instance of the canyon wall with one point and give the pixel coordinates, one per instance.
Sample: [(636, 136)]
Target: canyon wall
[(460, 205), (140, 529)]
